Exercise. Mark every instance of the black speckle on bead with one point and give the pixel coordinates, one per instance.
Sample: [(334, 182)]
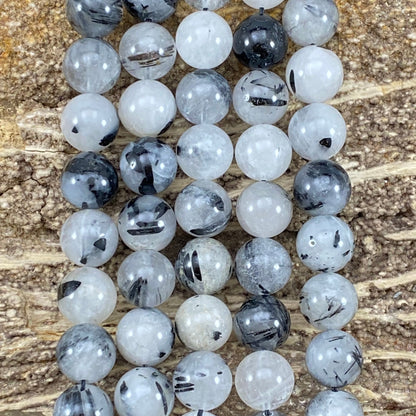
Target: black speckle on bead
[(83, 260), (67, 288), (162, 354), (337, 239), (75, 130), (216, 335), (101, 244), (292, 81), (123, 388), (326, 142), (108, 138)]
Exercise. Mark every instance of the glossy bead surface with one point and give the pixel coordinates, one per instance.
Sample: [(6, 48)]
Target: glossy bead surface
[(86, 295), (264, 380), (334, 358), (203, 96), (147, 222), (202, 380), (325, 243), (310, 22), (204, 152), (203, 209), (203, 322), (89, 180), (207, 4), (144, 391), (269, 413), (266, 4), (86, 352), (204, 39), (264, 209), (260, 41), (198, 413), (91, 65), (150, 10), (204, 266), (317, 131), (260, 97), (263, 152), (148, 166), (89, 238), (334, 403), (147, 108), (146, 278), (314, 74)]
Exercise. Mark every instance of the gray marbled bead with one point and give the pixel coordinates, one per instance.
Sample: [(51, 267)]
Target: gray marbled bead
[(207, 4), (150, 10), (334, 403)]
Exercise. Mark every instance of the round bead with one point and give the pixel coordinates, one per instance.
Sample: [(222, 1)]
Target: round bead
[(148, 166), (147, 108), (94, 18), (89, 238), (204, 39), (146, 278), (207, 4), (202, 380), (83, 399), (89, 180), (145, 336), (264, 380), (198, 413), (147, 222), (334, 358), (317, 131), (86, 352), (262, 323), (269, 413), (147, 51), (264, 209), (203, 322), (203, 96), (144, 391), (204, 152), (260, 41), (314, 74), (91, 65), (87, 295), (204, 266), (263, 152), (334, 403), (150, 10), (260, 97), (325, 243), (328, 301), (310, 22), (263, 266), (266, 4), (89, 122)]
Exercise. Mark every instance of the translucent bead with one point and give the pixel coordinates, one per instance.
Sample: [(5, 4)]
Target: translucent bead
[(146, 278), (328, 301), (260, 97), (202, 380), (147, 222), (144, 391), (204, 39), (89, 238), (262, 323), (263, 152), (264, 209), (334, 403), (203, 209), (310, 22), (145, 336), (203, 322), (94, 18), (148, 166), (266, 4), (83, 399), (204, 152), (147, 108), (269, 413), (263, 266), (91, 65), (198, 413), (260, 41), (89, 180), (203, 96), (204, 266), (334, 358), (147, 51), (314, 74), (207, 4), (264, 380), (317, 131), (87, 295), (86, 352), (325, 243), (150, 10)]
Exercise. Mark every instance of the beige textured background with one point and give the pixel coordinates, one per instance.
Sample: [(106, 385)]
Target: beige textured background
[(376, 42)]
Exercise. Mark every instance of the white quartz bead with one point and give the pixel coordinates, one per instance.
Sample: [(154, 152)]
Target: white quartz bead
[(204, 40), (207, 4), (263, 152), (266, 4)]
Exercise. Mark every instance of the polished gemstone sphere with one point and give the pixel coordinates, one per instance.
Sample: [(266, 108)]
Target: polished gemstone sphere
[(266, 4), (334, 403), (207, 4), (150, 10)]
